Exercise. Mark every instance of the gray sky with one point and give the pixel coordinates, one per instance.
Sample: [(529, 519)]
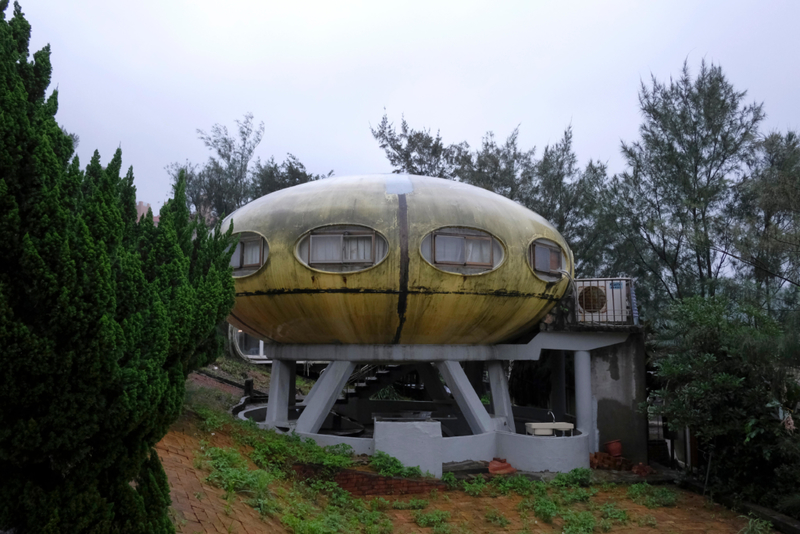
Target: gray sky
[(145, 75)]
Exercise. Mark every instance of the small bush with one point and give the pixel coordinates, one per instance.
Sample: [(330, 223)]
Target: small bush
[(652, 497), (756, 526), (413, 504), (496, 518), (389, 466), (578, 522), (380, 504), (545, 509), (450, 480), (580, 476), (431, 519), (476, 487), (611, 512)]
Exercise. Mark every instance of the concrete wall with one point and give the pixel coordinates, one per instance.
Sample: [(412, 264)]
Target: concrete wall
[(554, 454), (417, 443), (618, 385), (480, 447)]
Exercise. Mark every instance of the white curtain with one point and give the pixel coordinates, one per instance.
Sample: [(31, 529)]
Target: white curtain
[(236, 259), (326, 249), (252, 252), (358, 249), (479, 251), (448, 249)]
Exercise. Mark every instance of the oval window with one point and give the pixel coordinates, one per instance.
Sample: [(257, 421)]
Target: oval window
[(546, 259), (342, 248), (250, 254), (462, 250)]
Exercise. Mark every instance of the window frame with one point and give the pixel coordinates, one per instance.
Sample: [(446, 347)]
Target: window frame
[(464, 238), (342, 237), (244, 242), (552, 249)]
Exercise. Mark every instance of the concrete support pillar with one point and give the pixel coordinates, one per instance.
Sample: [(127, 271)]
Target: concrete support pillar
[(498, 382), (323, 395), (558, 384), (260, 348), (583, 392), (278, 404), (433, 385), (478, 419)]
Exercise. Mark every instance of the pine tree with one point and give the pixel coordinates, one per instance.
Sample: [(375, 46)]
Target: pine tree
[(101, 319)]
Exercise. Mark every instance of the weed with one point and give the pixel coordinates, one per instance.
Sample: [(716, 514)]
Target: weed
[(605, 525), (578, 522), (611, 512), (476, 487), (545, 509), (392, 467), (431, 519), (442, 528), (496, 518), (756, 526), (652, 497), (413, 504), (199, 495), (647, 521), (579, 476), (450, 480), (576, 494), (380, 504)]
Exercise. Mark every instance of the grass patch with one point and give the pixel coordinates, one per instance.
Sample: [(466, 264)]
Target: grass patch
[(545, 509), (474, 488), (496, 518), (413, 504), (578, 522), (652, 496), (431, 519), (389, 466)]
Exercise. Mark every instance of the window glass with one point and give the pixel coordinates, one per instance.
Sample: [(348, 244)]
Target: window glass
[(326, 248), (479, 251), (462, 250), (547, 259), (449, 249), (236, 258), (341, 248), (357, 248), (250, 254)]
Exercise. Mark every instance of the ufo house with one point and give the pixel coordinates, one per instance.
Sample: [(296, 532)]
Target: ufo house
[(386, 276)]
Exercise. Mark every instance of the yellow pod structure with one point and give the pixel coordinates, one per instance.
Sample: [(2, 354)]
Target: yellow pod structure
[(449, 263)]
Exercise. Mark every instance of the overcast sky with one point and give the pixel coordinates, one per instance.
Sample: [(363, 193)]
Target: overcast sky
[(146, 75)]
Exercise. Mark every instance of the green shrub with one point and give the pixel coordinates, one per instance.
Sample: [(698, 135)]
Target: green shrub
[(545, 509), (476, 487), (652, 497), (579, 476), (496, 518), (430, 519), (450, 480), (390, 466), (612, 512), (413, 504), (578, 522)]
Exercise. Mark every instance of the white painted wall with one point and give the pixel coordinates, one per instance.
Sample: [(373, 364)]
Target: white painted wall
[(415, 443)]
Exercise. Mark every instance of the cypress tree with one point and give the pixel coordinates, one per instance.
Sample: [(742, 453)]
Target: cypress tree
[(101, 319)]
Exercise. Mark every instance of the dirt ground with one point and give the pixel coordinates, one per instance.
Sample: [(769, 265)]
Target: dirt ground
[(199, 507)]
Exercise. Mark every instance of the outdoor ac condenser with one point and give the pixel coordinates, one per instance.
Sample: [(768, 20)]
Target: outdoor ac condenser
[(605, 300)]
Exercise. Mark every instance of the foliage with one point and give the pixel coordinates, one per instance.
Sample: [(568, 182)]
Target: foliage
[(652, 496), (756, 526), (450, 480), (580, 476), (231, 178), (578, 522), (545, 509), (430, 519), (413, 504), (670, 210), (726, 371), (496, 518), (390, 466), (475, 487), (611, 512), (101, 319)]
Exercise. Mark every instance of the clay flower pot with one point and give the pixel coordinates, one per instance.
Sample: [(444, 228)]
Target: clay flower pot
[(614, 448)]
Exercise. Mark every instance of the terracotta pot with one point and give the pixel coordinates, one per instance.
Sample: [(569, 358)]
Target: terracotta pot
[(614, 447)]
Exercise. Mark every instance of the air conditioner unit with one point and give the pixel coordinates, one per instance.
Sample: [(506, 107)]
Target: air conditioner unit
[(605, 300)]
